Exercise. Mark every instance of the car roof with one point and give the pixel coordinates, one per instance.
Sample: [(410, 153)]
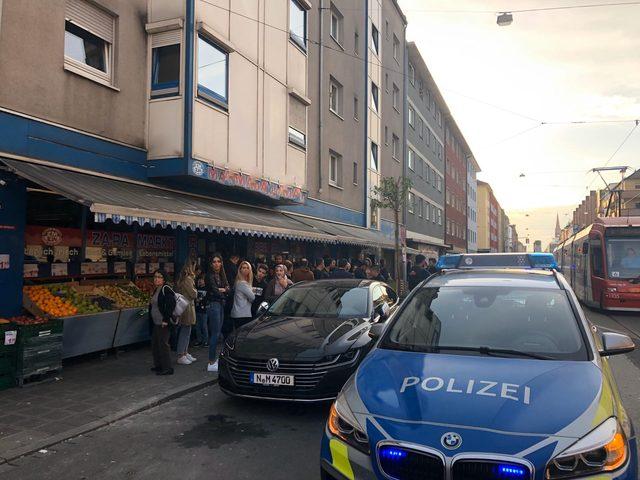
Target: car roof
[(521, 278), (339, 282)]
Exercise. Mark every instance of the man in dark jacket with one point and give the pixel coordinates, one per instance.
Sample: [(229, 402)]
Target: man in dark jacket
[(418, 273), (320, 272), (259, 286), (303, 273), (343, 270)]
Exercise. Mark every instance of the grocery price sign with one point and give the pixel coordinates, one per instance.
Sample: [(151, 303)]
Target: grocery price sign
[(10, 337)]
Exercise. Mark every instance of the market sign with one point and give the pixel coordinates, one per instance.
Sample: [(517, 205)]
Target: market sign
[(52, 236), (110, 239), (248, 182), (151, 245)]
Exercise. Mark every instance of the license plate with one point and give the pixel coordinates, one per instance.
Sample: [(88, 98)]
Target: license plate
[(272, 379)]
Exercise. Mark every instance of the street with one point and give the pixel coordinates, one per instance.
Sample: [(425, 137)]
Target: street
[(206, 434)]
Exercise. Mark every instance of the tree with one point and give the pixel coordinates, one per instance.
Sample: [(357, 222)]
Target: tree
[(392, 193)]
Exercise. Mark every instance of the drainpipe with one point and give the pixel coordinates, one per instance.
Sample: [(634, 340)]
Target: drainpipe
[(405, 107), (320, 93), (188, 82), (365, 102)]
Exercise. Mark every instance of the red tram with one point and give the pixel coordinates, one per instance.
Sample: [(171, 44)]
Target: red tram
[(602, 263)]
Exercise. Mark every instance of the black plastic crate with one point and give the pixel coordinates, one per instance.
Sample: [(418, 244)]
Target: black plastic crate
[(26, 332), (8, 362), (7, 381), (4, 328)]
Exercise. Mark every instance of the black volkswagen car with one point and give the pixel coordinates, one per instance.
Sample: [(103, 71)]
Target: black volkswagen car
[(305, 346)]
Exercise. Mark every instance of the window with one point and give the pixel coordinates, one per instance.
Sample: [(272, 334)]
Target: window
[(421, 88), (428, 137), (412, 117), (420, 207), (374, 156), (386, 82), (396, 97), (356, 43), (386, 135), (396, 48), (335, 96), (412, 74), (165, 72), (335, 169), (411, 159), (297, 138), (88, 41), (428, 174), (427, 210), (375, 39), (298, 24), (439, 117), (439, 216), (355, 108), (597, 261), (410, 202), (375, 96), (355, 173), (213, 70), (336, 24), (420, 127), (395, 146), (439, 182), (386, 29)]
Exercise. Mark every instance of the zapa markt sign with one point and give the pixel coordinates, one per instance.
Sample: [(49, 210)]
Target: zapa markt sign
[(243, 180)]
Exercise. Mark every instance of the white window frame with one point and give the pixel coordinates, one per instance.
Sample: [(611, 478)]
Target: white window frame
[(335, 97), (375, 99), (374, 165), (396, 98), (412, 74), (355, 173), (411, 162), (427, 213), (395, 146), (297, 138), (337, 19), (295, 38), (375, 39), (420, 201), (396, 48), (106, 78), (335, 169), (412, 117), (411, 198)]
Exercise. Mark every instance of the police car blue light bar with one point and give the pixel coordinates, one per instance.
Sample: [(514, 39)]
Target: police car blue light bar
[(497, 260)]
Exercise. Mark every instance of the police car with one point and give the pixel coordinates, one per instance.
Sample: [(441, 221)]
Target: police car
[(489, 370)]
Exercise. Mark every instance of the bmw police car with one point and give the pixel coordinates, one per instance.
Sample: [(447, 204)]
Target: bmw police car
[(489, 370)]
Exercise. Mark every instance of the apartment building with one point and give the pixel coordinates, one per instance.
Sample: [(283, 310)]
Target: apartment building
[(456, 153), (424, 158), (472, 204), (488, 218)]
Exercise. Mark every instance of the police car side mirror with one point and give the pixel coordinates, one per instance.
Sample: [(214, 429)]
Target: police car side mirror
[(264, 306), (376, 330), (615, 344)]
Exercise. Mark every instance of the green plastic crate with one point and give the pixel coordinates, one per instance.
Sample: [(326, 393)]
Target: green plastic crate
[(7, 381), (7, 327), (26, 332), (8, 362)]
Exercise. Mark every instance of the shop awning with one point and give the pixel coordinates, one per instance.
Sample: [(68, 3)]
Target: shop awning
[(348, 234), (142, 203)]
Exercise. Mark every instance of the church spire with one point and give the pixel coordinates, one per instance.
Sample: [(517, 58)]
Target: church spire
[(558, 229)]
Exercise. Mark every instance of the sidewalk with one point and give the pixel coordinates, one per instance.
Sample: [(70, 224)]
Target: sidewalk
[(91, 393)]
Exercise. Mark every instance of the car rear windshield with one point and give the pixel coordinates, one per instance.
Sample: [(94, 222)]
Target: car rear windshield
[(535, 321), (323, 301)]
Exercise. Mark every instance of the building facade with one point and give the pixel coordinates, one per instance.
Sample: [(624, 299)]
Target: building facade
[(456, 153), (488, 219), (472, 204), (424, 158)]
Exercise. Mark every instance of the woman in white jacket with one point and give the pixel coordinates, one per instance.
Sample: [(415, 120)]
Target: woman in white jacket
[(243, 296)]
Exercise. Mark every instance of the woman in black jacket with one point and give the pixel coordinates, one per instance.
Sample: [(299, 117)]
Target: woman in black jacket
[(163, 303), (218, 289)]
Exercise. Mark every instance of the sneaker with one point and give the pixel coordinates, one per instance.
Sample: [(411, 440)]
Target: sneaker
[(191, 358), (184, 360), (212, 367)]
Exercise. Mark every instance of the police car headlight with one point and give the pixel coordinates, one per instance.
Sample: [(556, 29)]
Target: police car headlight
[(343, 424), (603, 450)]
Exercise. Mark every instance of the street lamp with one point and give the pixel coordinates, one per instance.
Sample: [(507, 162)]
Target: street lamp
[(505, 19)]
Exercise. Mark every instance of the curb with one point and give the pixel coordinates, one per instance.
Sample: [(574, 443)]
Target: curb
[(109, 419)]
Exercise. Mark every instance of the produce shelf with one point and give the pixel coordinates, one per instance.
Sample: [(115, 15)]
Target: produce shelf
[(133, 327), (84, 334)]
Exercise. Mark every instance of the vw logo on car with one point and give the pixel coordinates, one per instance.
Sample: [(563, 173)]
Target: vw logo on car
[(451, 440), (273, 364)]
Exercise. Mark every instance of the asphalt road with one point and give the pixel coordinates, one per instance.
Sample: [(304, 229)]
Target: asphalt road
[(207, 435)]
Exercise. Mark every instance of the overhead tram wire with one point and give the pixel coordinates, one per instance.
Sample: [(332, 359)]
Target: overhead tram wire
[(624, 141)]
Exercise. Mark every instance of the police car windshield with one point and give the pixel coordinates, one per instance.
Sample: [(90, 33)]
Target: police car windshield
[(534, 321)]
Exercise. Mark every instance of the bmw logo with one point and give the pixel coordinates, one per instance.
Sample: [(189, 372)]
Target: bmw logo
[(198, 168), (273, 364), (451, 440)]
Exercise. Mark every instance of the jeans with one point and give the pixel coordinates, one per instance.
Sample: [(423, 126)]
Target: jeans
[(184, 335), (215, 316), (202, 329)]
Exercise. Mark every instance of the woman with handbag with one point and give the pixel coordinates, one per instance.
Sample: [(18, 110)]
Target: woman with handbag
[(161, 308), (217, 288), (243, 296), (186, 287)]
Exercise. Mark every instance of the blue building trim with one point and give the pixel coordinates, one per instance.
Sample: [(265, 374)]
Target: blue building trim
[(167, 167), (388, 228), (13, 196), (327, 211), (39, 140), (188, 85)]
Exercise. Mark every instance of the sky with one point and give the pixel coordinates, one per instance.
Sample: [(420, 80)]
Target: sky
[(505, 86)]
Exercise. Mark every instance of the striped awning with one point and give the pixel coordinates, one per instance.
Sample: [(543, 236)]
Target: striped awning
[(121, 200)]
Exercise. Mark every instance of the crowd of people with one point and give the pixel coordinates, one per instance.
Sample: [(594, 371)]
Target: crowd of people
[(222, 296)]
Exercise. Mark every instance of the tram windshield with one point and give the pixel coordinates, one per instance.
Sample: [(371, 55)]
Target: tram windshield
[(623, 257)]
